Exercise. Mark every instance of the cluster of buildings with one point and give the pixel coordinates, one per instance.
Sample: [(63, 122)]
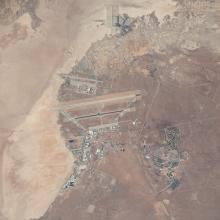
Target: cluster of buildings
[(87, 152), (166, 158)]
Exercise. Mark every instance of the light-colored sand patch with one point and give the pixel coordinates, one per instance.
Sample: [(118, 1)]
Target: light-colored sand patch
[(139, 8), (161, 211), (36, 164), (18, 32), (15, 32), (90, 31)]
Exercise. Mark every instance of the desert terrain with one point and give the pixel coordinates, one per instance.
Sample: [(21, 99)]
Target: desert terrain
[(110, 110)]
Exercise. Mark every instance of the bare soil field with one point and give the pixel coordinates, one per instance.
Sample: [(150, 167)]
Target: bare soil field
[(114, 121), (29, 58), (161, 161)]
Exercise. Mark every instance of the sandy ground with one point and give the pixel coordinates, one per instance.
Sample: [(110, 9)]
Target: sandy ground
[(35, 162)]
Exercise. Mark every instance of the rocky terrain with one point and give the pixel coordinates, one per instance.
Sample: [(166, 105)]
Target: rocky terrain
[(127, 127), (11, 10), (156, 157)]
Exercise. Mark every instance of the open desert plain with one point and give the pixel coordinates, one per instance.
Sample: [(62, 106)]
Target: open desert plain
[(110, 109)]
